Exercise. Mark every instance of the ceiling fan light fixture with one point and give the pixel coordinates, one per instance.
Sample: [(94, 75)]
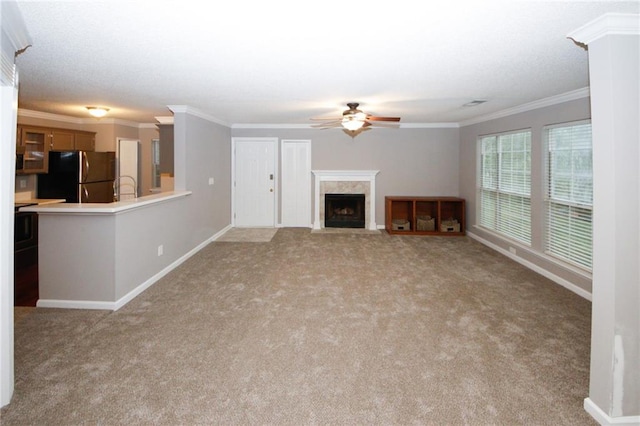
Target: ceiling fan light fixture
[(352, 123), (97, 112)]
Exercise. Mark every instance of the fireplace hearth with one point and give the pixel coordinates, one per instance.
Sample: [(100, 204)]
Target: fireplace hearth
[(344, 210)]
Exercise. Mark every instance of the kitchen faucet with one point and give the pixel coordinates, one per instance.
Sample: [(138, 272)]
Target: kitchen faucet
[(117, 186)]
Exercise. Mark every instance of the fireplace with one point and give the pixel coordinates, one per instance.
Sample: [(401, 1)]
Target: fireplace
[(344, 210), (345, 182)]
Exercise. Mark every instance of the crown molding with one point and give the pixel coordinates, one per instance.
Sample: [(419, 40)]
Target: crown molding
[(114, 121), (270, 126), (185, 109), (607, 24), (429, 125), (541, 103), (165, 119), (13, 28), (309, 126), (48, 116), (75, 120)]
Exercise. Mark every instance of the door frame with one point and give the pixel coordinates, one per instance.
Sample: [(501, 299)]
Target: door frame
[(119, 158), (276, 167)]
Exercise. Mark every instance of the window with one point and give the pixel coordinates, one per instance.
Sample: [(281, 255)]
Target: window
[(569, 202), (505, 184), (155, 163)]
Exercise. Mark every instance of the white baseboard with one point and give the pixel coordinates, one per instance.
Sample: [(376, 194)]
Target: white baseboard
[(217, 235), (605, 420), (75, 304), (114, 306), (553, 277)]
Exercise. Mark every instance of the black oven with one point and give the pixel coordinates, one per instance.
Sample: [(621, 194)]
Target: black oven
[(25, 229), (20, 159), (25, 258)]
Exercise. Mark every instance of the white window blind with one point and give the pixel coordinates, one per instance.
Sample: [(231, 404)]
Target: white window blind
[(570, 193), (505, 184)]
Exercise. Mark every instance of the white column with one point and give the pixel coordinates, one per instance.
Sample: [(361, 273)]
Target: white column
[(14, 36), (316, 204), (614, 69)]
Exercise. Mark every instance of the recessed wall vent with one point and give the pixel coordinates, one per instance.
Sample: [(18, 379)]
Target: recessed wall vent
[(474, 103)]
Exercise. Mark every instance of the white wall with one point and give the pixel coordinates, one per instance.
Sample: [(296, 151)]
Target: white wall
[(203, 151), (420, 162), (535, 120), (103, 259)]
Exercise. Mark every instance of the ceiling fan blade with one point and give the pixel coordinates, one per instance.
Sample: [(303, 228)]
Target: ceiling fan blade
[(353, 114), (385, 124), (326, 118), (374, 118), (327, 125)]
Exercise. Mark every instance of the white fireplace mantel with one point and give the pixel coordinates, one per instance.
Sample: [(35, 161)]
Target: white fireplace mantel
[(346, 176)]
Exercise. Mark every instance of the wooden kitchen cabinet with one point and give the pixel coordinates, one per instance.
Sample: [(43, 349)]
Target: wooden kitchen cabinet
[(72, 140), (85, 141), (61, 140), (35, 141)]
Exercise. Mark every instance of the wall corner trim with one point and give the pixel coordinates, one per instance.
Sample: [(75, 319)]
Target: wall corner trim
[(607, 24), (606, 420), (185, 109)]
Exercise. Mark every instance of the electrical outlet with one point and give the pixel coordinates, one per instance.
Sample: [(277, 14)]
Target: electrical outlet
[(23, 183), (160, 250), (210, 181)]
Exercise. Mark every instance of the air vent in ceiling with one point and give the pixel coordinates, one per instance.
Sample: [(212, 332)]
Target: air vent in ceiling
[(474, 103)]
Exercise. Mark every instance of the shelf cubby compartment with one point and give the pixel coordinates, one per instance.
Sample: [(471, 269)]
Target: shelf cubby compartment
[(402, 216), (425, 215)]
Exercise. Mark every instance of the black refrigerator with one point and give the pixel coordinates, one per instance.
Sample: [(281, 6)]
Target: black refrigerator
[(79, 177)]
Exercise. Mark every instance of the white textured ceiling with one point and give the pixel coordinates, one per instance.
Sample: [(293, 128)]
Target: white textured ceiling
[(283, 62)]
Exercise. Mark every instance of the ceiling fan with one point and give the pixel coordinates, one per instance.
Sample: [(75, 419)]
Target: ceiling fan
[(353, 120)]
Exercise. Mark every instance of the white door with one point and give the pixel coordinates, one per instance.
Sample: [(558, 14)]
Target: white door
[(296, 183), (254, 182)]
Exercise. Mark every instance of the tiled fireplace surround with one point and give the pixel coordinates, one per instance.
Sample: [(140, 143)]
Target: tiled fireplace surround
[(345, 182)]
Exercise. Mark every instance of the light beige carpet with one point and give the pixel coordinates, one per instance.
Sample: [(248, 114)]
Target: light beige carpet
[(248, 235), (19, 312), (346, 231), (308, 329)]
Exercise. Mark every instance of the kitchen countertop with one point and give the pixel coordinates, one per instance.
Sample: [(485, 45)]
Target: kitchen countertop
[(41, 201), (103, 208)]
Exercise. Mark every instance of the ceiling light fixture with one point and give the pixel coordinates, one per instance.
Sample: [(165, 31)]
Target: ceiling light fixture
[(352, 123), (353, 119), (97, 112)]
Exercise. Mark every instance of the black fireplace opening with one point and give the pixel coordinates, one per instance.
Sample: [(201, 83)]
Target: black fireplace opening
[(344, 211)]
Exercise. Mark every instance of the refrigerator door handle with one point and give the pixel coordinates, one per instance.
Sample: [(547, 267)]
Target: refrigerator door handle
[(86, 192), (85, 169)]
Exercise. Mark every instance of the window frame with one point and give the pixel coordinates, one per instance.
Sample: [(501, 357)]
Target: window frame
[(576, 209), (521, 231), (155, 164)]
